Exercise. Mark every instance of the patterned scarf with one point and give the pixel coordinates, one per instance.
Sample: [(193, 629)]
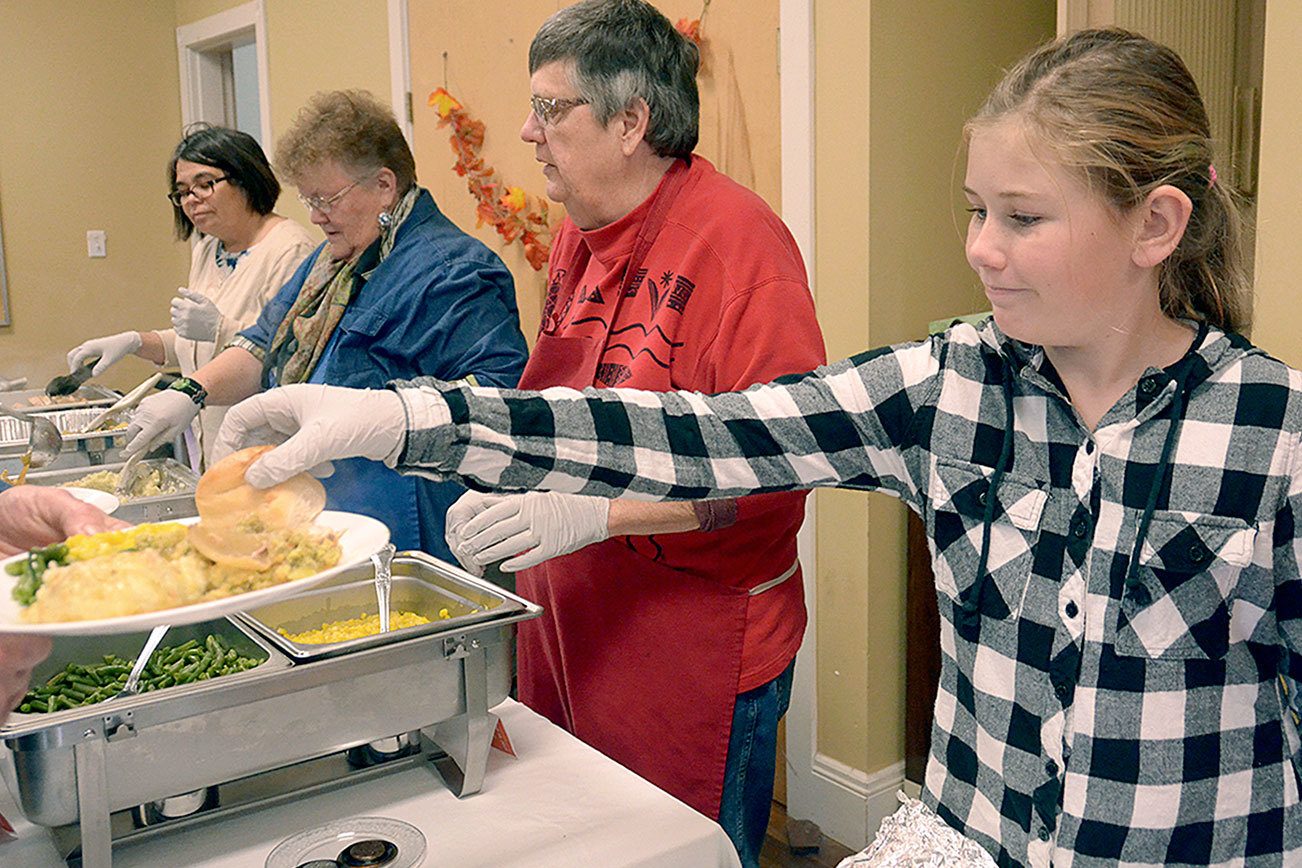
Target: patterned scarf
[(306, 329)]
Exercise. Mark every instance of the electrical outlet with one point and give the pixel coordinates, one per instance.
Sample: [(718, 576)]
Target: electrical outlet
[(96, 243)]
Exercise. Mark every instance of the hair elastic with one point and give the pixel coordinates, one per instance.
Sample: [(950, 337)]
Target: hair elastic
[(1211, 174)]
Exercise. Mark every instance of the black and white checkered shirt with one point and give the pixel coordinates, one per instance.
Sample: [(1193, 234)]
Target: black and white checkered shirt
[(1082, 719)]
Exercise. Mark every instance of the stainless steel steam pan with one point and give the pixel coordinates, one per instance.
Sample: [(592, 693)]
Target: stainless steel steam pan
[(421, 584), (178, 502), (42, 775)]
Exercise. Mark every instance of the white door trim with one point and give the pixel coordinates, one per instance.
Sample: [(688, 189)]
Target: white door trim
[(200, 82), (805, 799), (400, 96)]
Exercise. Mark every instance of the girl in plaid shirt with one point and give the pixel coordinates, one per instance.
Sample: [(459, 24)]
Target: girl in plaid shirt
[(1109, 473)]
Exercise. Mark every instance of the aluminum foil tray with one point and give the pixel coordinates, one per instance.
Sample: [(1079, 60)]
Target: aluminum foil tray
[(421, 584), (69, 422), (89, 395)]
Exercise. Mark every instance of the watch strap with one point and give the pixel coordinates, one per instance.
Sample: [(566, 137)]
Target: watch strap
[(192, 388)]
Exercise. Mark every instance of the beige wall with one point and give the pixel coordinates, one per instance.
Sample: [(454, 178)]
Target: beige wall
[(85, 144), (889, 260), (90, 108), (1277, 314)]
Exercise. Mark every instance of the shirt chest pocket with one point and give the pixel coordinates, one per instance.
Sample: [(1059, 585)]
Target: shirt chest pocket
[(958, 497), (1178, 606), (357, 360)]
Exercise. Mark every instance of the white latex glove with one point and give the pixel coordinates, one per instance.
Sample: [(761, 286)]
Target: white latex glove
[(194, 315), (111, 350), (314, 424), (469, 505), (534, 527), (159, 417)]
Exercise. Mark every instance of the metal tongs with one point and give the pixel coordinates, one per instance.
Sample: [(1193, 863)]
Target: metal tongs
[(66, 384), (126, 402), (383, 561)]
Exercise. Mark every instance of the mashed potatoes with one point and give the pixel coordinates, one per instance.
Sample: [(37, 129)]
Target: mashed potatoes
[(153, 566), (148, 483)]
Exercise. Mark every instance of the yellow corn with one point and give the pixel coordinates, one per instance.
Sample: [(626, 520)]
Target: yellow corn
[(357, 628), (164, 535)]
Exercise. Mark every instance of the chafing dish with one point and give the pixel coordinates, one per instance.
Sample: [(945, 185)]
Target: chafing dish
[(177, 502), (281, 729)]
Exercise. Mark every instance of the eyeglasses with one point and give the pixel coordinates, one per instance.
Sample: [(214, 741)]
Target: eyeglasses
[(549, 110), (324, 203), (199, 190)]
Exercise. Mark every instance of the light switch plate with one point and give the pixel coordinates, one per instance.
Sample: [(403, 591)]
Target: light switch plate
[(96, 243)]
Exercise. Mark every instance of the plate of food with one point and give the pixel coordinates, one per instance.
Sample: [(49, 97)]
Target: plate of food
[(105, 501), (247, 547)]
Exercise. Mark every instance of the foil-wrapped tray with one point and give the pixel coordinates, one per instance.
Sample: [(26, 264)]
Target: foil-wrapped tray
[(71, 423)]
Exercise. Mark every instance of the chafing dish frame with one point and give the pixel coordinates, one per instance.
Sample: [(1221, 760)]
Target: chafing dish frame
[(120, 731)]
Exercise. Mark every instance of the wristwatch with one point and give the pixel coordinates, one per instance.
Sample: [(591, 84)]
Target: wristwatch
[(193, 388)]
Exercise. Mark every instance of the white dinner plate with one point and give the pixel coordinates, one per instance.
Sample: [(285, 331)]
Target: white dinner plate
[(101, 500), (360, 536)]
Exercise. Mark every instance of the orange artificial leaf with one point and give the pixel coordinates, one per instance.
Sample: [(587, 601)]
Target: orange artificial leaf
[(443, 102), (513, 199)]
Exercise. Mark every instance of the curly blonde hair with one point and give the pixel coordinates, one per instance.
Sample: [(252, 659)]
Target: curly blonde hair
[(1125, 112), (350, 127)]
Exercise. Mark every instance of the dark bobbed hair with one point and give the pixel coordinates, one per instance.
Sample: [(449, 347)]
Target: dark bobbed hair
[(240, 158), (624, 50), (1125, 113)]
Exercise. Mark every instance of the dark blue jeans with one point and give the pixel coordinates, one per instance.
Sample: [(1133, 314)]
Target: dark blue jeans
[(752, 761)]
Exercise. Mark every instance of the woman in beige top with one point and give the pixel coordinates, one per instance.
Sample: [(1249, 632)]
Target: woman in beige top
[(221, 185)]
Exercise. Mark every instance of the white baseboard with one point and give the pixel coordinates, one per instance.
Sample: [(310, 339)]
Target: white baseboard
[(852, 803)]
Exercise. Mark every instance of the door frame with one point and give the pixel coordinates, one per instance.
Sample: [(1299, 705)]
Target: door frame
[(201, 78)]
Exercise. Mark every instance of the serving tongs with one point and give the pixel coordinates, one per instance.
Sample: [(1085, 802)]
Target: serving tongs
[(127, 476), (126, 402), (383, 561), (66, 384)]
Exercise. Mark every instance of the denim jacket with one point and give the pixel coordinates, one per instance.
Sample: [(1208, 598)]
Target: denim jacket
[(442, 305)]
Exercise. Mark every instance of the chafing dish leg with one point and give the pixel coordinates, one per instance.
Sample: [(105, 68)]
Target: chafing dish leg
[(92, 803), (462, 743)]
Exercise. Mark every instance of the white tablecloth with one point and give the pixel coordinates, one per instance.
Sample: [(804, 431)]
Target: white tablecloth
[(558, 803)]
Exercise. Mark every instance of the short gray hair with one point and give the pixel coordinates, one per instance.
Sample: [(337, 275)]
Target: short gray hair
[(624, 50)]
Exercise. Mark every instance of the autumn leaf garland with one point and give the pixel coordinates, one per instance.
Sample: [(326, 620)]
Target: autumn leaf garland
[(515, 214)]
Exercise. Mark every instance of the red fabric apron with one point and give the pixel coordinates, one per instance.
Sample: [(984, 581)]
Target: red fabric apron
[(637, 659)]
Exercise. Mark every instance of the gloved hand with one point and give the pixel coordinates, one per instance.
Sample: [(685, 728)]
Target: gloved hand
[(534, 527), (194, 315), (469, 505), (159, 417), (314, 423), (111, 350)]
